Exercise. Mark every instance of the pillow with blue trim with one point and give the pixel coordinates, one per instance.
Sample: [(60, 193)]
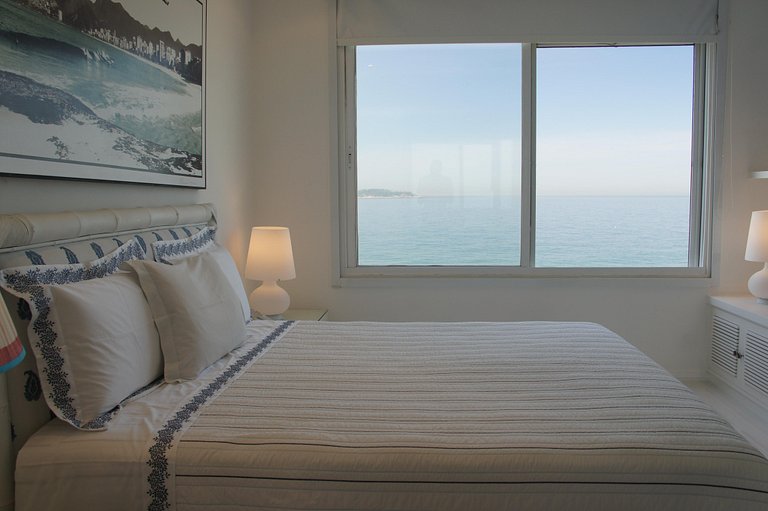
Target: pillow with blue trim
[(168, 250), (173, 251), (91, 332)]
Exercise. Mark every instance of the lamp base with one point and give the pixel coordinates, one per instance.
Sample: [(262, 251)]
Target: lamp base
[(758, 285), (269, 299)]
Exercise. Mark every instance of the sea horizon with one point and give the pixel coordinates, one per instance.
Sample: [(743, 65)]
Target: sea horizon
[(571, 231), (413, 195)]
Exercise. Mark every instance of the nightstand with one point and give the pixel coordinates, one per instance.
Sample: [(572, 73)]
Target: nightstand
[(739, 355), (305, 314)]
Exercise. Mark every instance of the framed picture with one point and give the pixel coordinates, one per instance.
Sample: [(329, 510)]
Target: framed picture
[(103, 90)]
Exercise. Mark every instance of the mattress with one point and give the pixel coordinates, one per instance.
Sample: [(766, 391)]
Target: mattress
[(364, 416)]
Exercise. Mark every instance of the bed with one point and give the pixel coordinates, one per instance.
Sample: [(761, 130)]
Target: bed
[(372, 416)]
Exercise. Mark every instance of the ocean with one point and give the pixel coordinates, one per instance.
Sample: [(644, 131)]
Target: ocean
[(570, 231)]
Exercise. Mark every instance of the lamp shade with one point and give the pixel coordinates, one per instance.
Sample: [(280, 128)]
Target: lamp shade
[(757, 240), (11, 350), (270, 255)]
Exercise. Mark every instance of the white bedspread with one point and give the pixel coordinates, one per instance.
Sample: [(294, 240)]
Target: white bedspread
[(408, 416)]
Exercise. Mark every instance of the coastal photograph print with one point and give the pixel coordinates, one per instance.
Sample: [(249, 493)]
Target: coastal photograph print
[(103, 90)]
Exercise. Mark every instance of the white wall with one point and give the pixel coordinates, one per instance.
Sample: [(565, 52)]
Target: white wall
[(746, 141), (227, 149), (293, 145)]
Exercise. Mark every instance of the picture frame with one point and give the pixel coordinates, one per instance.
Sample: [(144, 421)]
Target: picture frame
[(103, 90)]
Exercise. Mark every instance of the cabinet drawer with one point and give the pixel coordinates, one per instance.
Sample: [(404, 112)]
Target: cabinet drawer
[(756, 361), (725, 342), (739, 349)]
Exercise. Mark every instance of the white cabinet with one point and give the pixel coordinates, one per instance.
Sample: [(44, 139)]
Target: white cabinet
[(739, 354)]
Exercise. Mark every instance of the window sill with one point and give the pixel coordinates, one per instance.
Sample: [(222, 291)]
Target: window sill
[(395, 276)]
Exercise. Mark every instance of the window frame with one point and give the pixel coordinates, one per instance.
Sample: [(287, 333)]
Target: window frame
[(701, 182)]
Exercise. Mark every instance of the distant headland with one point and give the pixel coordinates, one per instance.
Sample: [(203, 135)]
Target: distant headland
[(382, 193)]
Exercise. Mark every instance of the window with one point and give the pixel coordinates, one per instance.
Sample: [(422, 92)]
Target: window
[(524, 159), (613, 156), (438, 154)]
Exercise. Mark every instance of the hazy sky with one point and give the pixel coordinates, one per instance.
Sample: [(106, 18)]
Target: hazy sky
[(183, 18), (446, 120)]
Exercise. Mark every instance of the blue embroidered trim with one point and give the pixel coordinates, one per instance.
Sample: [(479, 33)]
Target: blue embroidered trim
[(141, 242), (97, 249), (30, 283), (71, 257), (22, 309), (34, 257), (158, 459), (173, 234), (172, 249), (32, 389), (187, 231)]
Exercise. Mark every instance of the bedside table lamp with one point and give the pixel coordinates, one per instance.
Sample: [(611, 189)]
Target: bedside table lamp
[(757, 250), (270, 258)]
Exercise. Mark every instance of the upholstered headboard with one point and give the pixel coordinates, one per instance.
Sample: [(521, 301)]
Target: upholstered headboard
[(74, 237)]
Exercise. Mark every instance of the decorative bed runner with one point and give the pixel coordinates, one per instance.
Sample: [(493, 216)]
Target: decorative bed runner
[(166, 439)]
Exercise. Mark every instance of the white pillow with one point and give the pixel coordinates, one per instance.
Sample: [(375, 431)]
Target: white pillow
[(109, 339), (75, 304), (196, 312), (171, 251)]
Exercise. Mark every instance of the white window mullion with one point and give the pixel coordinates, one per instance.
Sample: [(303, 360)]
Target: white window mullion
[(348, 164), (697, 157), (528, 174), (711, 59)]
